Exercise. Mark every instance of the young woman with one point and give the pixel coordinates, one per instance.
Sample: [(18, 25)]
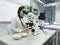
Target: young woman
[(18, 22)]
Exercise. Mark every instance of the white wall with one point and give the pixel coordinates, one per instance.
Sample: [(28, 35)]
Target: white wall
[(22, 2), (7, 10), (57, 14), (33, 3)]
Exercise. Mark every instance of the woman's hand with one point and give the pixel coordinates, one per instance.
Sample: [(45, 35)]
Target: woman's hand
[(25, 30)]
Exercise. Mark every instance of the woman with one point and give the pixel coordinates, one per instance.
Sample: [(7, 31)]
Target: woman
[(18, 23)]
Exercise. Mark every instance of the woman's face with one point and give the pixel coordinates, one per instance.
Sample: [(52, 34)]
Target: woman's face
[(22, 10)]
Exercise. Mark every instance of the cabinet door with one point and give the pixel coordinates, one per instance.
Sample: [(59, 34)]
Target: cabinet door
[(50, 14), (3, 29)]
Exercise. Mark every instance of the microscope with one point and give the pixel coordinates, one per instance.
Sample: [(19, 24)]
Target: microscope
[(30, 22), (41, 19), (30, 27), (35, 23)]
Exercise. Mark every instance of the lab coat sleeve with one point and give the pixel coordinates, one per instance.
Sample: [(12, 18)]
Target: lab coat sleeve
[(13, 26)]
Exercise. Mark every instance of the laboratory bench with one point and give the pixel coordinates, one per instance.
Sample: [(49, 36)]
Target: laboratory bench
[(56, 28), (30, 39)]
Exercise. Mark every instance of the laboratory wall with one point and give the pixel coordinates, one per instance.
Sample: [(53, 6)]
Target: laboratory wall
[(7, 10), (33, 3), (21, 2)]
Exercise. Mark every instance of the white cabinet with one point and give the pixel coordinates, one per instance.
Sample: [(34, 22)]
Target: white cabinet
[(3, 28)]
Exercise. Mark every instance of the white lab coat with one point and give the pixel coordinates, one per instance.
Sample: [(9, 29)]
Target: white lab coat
[(16, 25)]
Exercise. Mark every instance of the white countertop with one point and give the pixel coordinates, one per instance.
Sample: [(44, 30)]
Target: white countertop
[(56, 27), (30, 40)]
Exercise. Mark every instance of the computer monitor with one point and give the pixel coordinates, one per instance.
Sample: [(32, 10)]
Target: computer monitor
[(41, 16)]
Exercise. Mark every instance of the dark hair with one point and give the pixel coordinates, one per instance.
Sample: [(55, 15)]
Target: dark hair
[(20, 8)]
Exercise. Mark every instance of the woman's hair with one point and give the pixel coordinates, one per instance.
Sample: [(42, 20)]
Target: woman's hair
[(20, 8)]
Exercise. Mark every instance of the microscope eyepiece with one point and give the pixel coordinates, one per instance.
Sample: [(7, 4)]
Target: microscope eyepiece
[(30, 24)]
